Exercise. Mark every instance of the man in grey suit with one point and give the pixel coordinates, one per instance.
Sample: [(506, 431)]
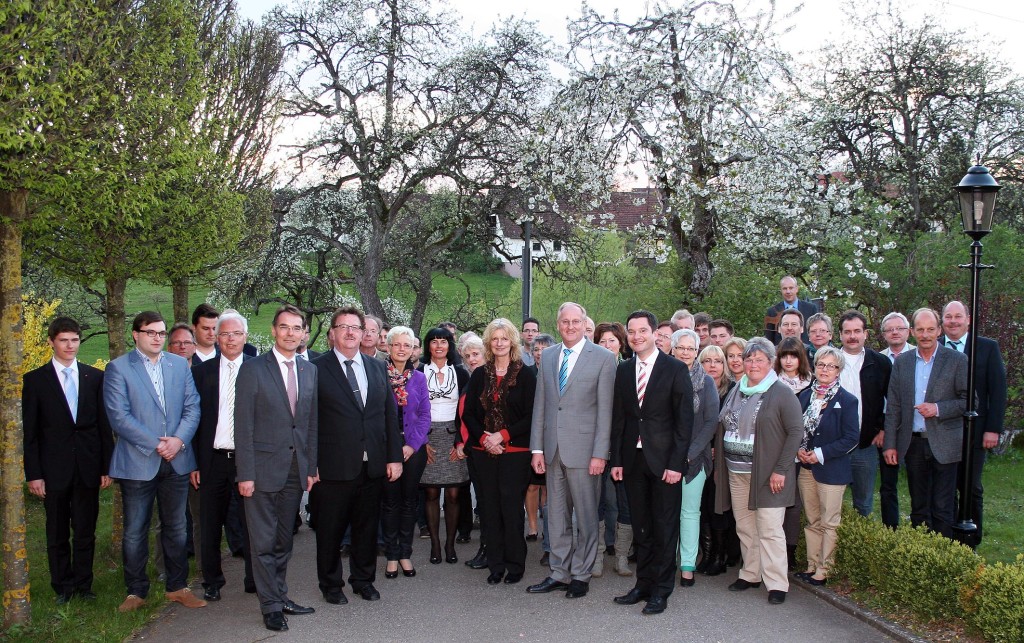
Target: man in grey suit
[(275, 451), (924, 422), (153, 407), (572, 418)]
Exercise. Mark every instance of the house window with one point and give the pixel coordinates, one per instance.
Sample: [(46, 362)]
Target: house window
[(493, 220), (536, 246), (558, 246)]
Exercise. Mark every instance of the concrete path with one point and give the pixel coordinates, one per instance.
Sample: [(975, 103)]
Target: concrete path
[(454, 603)]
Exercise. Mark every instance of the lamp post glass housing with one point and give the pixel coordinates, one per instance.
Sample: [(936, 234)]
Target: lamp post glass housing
[(977, 201)]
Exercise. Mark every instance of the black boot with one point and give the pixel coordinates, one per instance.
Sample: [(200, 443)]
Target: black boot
[(706, 545), (480, 560), (717, 556)]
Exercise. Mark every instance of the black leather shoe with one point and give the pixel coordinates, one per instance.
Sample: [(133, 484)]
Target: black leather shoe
[(390, 574), (85, 594), (803, 575), (741, 585), (250, 588), (687, 582), (531, 538), (275, 621), (817, 582), (577, 589), (335, 597), (450, 557), (776, 597), (408, 573), (293, 608), (479, 561), (462, 540), (211, 594), (655, 605), (547, 585), (633, 597), (368, 593), (64, 599), (512, 579), (495, 578)]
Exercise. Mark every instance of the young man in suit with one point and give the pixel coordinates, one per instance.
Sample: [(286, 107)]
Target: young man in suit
[(924, 422), (214, 445), (989, 389), (153, 407), (67, 445), (572, 419), (275, 455), (651, 426), (360, 447)]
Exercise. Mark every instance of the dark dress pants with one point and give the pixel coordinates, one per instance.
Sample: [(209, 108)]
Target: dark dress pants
[(654, 508), (270, 518), (502, 483), (398, 510), (216, 488), (888, 493), (72, 509), (342, 504), (932, 488)]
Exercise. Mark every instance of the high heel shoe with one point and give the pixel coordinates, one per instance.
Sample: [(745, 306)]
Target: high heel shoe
[(449, 555), (408, 573), (389, 573), (435, 555)]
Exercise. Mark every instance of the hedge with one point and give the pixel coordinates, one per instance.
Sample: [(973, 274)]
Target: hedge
[(931, 576)]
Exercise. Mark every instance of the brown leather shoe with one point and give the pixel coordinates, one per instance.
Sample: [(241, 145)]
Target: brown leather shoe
[(186, 598), (131, 603)]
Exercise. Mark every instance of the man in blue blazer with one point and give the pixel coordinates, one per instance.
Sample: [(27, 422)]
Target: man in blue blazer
[(153, 407), (989, 389), (924, 422)]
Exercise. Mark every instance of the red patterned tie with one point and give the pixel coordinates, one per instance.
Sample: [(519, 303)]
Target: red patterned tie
[(641, 387)]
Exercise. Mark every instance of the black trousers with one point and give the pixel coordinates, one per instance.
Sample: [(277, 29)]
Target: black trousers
[(654, 508), (73, 509), (341, 504), (398, 511), (932, 488), (502, 482), (217, 486)]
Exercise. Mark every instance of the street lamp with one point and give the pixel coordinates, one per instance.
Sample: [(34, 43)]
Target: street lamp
[(977, 192)]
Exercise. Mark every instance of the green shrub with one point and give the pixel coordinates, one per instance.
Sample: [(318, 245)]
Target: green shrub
[(994, 603), (926, 572)]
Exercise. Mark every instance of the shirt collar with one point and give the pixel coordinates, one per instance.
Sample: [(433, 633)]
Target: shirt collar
[(237, 361), (60, 367), (145, 358), (358, 359), (281, 359)]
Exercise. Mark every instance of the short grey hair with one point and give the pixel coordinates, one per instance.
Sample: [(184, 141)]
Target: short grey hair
[(232, 314), (398, 331), (544, 340), (685, 332), (470, 340), (819, 317), (894, 315), (760, 345), (832, 351)]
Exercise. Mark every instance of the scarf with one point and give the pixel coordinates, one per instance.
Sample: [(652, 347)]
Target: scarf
[(495, 395), (812, 414), (796, 384), (398, 381), (697, 377), (768, 380)]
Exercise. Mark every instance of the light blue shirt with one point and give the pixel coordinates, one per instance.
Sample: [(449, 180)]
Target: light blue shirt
[(156, 375), (922, 372)]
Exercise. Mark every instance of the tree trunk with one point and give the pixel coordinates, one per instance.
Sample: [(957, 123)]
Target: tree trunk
[(423, 290), (115, 315), (368, 279), (17, 608), (179, 290)]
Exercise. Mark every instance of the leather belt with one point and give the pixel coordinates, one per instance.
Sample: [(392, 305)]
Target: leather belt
[(228, 453)]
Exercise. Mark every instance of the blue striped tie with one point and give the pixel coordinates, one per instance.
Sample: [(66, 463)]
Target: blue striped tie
[(563, 371), (71, 392)]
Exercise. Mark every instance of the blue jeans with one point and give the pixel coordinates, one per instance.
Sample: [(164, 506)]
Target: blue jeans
[(170, 490), (864, 463)]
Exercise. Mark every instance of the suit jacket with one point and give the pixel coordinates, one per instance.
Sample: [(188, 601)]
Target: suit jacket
[(874, 384), (266, 432), (55, 443), (207, 378), (346, 431), (516, 406), (836, 435), (947, 387), (133, 409), (664, 423), (771, 318), (576, 423), (989, 386)]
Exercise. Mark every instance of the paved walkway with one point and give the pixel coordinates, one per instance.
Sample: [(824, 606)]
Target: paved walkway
[(454, 603)]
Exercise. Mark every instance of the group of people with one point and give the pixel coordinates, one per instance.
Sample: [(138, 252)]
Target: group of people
[(675, 441)]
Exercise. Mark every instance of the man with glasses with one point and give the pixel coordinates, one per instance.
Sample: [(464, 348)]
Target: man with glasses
[(895, 332), (866, 377), (153, 407), (663, 337), (182, 342), (368, 341)]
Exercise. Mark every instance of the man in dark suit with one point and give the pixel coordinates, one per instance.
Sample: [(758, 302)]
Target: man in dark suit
[(67, 445), (214, 445), (866, 377), (360, 446), (275, 453), (789, 289), (924, 422), (989, 389), (652, 422)]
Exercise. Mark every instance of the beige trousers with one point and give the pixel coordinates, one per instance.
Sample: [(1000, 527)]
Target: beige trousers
[(762, 539), (823, 506)]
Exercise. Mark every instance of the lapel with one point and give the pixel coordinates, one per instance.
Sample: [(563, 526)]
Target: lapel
[(53, 381), (937, 371), (336, 371), (275, 376), (631, 396), (135, 358), (581, 362)]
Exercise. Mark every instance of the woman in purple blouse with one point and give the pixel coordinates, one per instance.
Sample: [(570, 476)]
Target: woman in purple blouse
[(398, 515)]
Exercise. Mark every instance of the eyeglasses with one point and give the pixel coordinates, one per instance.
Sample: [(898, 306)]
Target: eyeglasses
[(348, 327), (183, 343), (235, 334), (572, 323), (285, 328), (821, 331), (153, 334), (685, 349), (897, 329), (828, 368)]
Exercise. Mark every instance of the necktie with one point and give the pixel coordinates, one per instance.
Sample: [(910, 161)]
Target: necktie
[(351, 374), (71, 392), (229, 401), (292, 386), (641, 384), (563, 370), (954, 344)]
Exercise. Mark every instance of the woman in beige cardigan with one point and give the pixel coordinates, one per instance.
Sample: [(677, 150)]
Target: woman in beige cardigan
[(759, 431)]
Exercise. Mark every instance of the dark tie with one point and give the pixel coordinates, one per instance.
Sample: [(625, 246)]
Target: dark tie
[(954, 344), (293, 386), (351, 374)]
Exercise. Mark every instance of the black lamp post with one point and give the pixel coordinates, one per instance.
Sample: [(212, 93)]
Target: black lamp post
[(977, 192)]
